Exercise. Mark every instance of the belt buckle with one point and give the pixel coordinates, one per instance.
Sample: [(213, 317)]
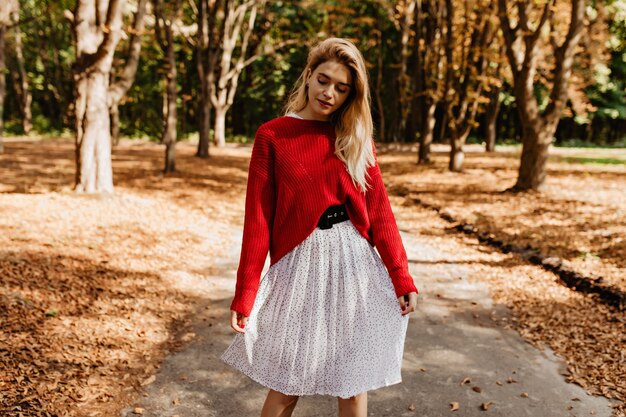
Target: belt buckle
[(325, 224)]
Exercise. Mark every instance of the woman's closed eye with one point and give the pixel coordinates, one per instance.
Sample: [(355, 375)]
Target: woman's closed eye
[(342, 91)]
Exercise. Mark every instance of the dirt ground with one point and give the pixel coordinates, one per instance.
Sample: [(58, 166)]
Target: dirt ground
[(97, 291)]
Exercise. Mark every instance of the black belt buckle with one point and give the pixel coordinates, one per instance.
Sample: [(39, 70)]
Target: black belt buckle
[(333, 215)]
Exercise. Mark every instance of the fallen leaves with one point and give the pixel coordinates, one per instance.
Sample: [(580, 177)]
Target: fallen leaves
[(85, 309), (573, 215), (148, 381)]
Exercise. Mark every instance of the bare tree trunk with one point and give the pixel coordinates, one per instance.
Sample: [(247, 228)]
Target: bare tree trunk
[(171, 118), (120, 87), (493, 109), (468, 82), (219, 129), (538, 127), (165, 37), (25, 95), (9, 10), (427, 133), (97, 30), (114, 113), (403, 83), (457, 155), (225, 86), (427, 88), (491, 115), (532, 173), (206, 54), (204, 122), (93, 143), (378, 90), (3, 85)]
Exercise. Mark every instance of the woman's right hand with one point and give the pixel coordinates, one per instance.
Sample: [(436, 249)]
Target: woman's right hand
[(238, 321)]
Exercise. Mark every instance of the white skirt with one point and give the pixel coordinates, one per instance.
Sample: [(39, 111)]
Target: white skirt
[(325, 321)]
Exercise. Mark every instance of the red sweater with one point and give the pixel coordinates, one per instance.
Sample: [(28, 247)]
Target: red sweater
[(294, 176)]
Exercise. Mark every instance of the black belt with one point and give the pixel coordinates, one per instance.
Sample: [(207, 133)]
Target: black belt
[(332, 215)]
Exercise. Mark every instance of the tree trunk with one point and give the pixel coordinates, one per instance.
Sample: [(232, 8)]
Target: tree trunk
[(9, 11), (171, 117), (379, 82), (491, 116), (165, 38), (114, 113), (204, 116), (239, 19), (427, 132), (95, 46), (457, 155), (26, 97), (403, 78), (93, 141), (538, 127), (532, 169), (3, 85), (120, 87), (219, 132), (206, 57)]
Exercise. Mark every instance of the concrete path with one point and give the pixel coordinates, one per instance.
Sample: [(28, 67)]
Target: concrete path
[(450, 338)]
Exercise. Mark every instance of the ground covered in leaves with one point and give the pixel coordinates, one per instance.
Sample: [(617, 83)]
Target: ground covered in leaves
[(580, 203), (90, 290), (579, 215), (90, 287)]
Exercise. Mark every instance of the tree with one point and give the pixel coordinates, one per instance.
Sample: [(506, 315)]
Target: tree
[(207, 45), (468, 41), (492, 110), (97, 29), (164, 31), (522, 46), (120, 86), (20, 79), (232, 59), (8, 14), (427, 85)]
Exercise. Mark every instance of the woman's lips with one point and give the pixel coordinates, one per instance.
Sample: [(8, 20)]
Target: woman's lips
[(323, 103)]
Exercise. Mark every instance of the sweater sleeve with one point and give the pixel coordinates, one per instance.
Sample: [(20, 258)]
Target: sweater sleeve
[(385, 234), (258, 220)]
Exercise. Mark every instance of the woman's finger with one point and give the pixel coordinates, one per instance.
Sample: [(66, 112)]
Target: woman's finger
[(235, 322), (408, 303)]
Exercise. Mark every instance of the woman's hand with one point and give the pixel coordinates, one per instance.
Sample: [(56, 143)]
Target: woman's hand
[(238, 321), (409, 306)]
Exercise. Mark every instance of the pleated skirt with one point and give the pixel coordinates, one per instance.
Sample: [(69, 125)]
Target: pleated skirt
[(326, 320)]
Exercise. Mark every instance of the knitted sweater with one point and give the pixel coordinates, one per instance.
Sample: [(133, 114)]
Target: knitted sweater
[(294, 176)]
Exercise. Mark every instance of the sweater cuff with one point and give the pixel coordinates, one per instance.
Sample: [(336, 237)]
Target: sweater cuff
[(243, 302), (402, 282)]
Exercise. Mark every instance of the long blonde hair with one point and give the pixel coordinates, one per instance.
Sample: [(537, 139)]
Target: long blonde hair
[(353, 120)]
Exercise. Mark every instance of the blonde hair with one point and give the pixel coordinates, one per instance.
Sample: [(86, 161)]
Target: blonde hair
[(353, 120)]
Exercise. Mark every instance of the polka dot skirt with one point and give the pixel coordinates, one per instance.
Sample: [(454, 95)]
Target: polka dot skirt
[(325, 321)]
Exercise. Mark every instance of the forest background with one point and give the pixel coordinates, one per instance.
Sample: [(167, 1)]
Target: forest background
[(180, 70)]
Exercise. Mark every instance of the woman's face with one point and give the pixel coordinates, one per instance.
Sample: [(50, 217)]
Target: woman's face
[(329, 87)]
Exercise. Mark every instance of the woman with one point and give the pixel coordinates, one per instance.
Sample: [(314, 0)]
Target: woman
[(330, 316)]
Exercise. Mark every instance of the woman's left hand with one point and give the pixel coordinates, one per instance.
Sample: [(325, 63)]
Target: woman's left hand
[(409, 306)]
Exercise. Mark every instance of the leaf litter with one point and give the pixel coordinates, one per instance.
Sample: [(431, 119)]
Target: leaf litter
[(582, 210)]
